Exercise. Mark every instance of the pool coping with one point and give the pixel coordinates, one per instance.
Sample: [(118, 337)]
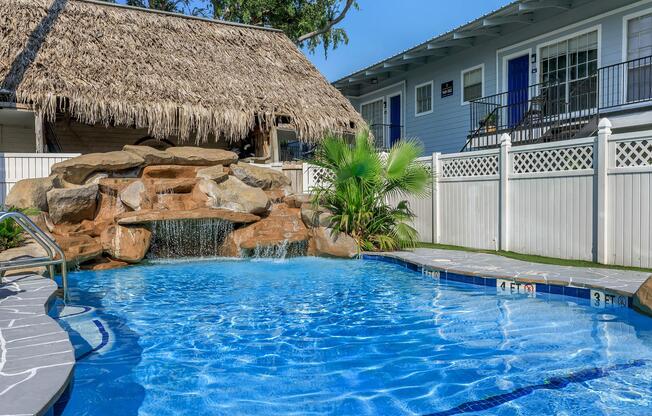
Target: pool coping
[(38, 366), (603, 293)]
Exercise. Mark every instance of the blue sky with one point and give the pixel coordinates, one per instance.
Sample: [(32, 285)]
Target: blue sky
[(382, 28)]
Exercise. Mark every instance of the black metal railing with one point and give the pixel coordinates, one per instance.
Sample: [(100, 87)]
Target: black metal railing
[(560, 109), (386, 134), (625, 83), (544, 112)]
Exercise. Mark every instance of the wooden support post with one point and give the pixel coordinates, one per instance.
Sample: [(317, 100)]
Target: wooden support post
[(273, 138), (39, 131)]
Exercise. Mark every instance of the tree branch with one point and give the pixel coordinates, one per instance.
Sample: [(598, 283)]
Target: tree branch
[(329, 25)]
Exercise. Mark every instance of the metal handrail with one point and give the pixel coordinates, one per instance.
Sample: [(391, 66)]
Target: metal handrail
[(54, 256)]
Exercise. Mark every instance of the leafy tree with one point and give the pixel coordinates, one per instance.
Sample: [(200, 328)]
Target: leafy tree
[(362, 181), (179, 6), (308, 23)]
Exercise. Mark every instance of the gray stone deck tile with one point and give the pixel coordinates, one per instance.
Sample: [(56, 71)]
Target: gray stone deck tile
[(490, 265), (39, 358)]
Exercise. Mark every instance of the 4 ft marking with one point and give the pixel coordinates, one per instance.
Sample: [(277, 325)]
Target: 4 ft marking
[(509, 287)]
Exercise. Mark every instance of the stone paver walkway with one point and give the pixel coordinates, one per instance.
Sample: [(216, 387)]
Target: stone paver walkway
[(623, 282), (36, 356)]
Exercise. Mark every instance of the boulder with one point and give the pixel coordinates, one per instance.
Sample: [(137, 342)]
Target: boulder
[(31, 193), (95, 178), (216, 174), (314, 216), (188, 155), (150, 155), (297, 200), (128, 244), (170, 172), (170, 186), (77, 169), (30, 249), (282, 226), (103, 263), (149, 216), (276, 195), (133, 195), (642, 301), (113, 186), (324, 243), (235, 195), (260, 177), (72, 204), (79, 248)]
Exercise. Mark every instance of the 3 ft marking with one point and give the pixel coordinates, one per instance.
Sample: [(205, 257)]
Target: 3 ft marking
[(600, 299), (509, 287)]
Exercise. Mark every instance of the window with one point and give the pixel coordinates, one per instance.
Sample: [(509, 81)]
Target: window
[(569, 73), (472, 87), (639, 49), (374, 113), (423, 98)]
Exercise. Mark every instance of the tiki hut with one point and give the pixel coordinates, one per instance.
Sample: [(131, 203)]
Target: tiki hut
[(95, 76)]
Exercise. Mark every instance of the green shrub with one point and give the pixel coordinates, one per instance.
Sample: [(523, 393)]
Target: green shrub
[(11, 234), (362, 182)]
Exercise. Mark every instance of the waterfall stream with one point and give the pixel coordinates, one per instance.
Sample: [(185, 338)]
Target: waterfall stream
[(281, 250), (188, 238)]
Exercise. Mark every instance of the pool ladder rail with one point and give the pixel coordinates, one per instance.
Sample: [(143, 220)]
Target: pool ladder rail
[(55, 255)]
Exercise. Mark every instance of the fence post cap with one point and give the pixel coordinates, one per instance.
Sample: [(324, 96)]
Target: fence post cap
[(505, 139), (604, 124)]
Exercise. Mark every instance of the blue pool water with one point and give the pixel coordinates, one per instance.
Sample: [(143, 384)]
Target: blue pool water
[(311, 336)]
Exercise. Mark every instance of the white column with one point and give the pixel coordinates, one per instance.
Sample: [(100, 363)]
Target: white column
[(436, 217), (503, 204), (601, 159)]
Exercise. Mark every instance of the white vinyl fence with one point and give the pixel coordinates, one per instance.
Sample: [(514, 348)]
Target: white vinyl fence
[(17, 166), (585, 199)]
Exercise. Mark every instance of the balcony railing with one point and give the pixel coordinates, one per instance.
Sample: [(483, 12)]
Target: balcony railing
[(385, 135), (626, 83), (560, 109)]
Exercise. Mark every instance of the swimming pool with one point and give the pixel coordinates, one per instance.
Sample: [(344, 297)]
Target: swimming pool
[(311, 336)]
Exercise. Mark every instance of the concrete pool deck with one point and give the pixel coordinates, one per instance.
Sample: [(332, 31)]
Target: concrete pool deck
[(37, 358), (622, 282)]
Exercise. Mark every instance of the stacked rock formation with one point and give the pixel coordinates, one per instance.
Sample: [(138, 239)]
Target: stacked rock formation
[(100, 207)]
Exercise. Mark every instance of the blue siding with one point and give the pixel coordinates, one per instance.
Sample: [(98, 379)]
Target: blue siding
[(446, 128)]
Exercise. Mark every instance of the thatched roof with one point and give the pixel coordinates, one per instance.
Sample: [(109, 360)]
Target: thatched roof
[(172, 74)]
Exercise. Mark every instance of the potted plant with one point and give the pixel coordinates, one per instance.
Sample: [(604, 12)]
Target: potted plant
[(490, 122)]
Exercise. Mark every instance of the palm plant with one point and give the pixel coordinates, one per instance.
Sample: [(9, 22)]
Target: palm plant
[(362, 182)]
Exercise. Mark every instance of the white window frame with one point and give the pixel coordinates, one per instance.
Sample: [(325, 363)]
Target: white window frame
[(465, 71), (597, 28), (626, 20), (432, 98)]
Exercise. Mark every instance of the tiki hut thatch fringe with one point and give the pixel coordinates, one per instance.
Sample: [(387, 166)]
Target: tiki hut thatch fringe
[(174, 75)]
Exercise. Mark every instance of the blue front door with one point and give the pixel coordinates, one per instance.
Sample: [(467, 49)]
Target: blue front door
[(518, 74), (394, 119)]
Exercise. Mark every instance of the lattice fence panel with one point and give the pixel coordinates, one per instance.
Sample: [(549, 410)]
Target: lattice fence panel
[(634, 153), (318, 176), (554, 160), (470, 166)]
